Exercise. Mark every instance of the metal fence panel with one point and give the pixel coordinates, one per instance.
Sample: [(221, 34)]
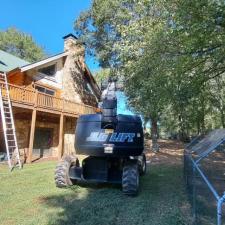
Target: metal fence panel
[(204, 174)]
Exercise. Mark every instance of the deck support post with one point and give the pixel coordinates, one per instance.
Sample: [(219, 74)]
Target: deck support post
[(32, 131), (32, 128), (61, 136)]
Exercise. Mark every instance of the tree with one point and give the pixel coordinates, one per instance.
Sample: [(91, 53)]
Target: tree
[(21, 45), (102, 76), (116, 32), (170, 54), (195, 43), (146, 95), (217, 97)]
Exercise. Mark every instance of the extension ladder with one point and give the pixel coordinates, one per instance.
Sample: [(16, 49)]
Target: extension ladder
[(8, 124)]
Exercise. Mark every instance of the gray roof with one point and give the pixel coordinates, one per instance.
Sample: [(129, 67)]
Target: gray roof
[(9, 62)]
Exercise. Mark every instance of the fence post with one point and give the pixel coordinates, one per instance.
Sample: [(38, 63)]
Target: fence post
[(185, 169), (194, 193), (219, 209)]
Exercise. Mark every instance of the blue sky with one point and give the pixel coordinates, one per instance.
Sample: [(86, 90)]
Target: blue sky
[(121, 105), (48, 21)]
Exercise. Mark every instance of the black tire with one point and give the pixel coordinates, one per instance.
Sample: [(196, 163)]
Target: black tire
[(62, 172), (142, 164), (130, 179)]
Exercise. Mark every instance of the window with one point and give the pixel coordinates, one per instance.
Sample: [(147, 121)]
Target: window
[(49, 92), (45, 90), (49, 70), (87, 85), (88, 88)]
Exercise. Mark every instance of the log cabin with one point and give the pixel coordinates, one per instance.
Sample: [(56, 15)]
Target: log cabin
[(47, 98)]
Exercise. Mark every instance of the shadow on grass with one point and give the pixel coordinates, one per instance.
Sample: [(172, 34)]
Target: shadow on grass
[(97, 204)]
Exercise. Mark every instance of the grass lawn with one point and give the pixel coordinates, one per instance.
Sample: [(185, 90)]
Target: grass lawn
[(30, 197)]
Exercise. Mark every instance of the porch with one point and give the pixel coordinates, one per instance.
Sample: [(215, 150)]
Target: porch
[(39, 114), (30, 99)]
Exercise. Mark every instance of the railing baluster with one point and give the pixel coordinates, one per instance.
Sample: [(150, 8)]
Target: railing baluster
[(27, 96)]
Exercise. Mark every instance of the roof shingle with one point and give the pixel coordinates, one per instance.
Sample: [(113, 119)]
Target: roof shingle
[(9, 62)]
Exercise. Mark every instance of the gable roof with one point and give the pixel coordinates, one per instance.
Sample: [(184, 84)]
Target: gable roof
[(9, 62), (42, 62)]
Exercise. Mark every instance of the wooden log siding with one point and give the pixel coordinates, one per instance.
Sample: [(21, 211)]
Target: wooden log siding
[(45, 102)]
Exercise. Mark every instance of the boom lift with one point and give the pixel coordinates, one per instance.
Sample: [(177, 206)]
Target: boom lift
[(113, 145)]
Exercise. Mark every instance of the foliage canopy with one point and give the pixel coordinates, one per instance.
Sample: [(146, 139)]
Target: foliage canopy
[(170, 55), (21, 45)]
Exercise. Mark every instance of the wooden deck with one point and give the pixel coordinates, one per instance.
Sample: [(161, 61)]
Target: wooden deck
[(37, 101), (30, 99)]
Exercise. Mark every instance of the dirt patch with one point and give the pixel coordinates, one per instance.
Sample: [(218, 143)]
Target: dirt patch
[(171, 152)]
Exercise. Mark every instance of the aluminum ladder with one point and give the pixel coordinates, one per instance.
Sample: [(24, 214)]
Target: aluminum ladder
[(8, 124)]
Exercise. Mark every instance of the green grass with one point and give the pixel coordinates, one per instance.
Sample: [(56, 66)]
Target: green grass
[(30, 197)]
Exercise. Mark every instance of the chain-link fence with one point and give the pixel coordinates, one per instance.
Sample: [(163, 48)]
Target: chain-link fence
[(204, 173)]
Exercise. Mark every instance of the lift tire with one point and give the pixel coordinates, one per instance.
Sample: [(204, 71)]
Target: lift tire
[(62, 172), (142, 164), (130, 179)]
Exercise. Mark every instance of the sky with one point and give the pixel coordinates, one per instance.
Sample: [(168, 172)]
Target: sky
[(47, 21)]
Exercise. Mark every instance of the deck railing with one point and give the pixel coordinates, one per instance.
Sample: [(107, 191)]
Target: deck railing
[(40, 100)]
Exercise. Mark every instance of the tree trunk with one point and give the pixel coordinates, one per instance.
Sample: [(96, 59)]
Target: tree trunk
[(154, 135), (145, 123), (222, 118), (198, 127), (182, 135), (203, 120)]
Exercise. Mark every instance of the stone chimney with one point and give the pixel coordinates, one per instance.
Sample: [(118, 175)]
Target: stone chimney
[(74, 47), (73, 69)]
